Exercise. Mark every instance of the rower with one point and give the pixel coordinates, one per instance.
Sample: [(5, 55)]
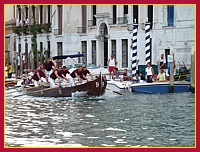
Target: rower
[(39, 76), (85, 71), (65, 74), (48, 65), (56, 74), (77, 73)]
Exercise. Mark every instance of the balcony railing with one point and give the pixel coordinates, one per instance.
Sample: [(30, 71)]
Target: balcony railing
[(91, 23), (28, 28), (57, 31), (122, 20), (81, 30), (112, 21), (130, 27)]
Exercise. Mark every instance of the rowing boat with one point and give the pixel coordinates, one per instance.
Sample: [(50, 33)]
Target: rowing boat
[(91, 88)]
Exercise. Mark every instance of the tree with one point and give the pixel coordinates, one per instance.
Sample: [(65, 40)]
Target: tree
[(34, 30)]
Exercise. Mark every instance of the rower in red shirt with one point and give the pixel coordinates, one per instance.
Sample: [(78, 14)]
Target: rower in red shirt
[(39, 76), (54, 75), (48, 65), (63, 73), (85, 71), (77, 73)]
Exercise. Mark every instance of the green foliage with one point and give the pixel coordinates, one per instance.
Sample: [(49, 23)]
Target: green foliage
[(33, 29), (45, 27), (23, 29), (39, 28), (20, 30), (17, 31)]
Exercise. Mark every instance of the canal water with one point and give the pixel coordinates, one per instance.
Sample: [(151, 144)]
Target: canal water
[(166, 120)]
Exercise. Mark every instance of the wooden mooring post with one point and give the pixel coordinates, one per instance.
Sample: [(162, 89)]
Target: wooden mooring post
[(192, 73), (171, 60)]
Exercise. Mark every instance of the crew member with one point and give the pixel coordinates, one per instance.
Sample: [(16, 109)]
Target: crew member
[(54, 75), (63, 73), (39, 76), (48, 65), (85, 71), (77, 73)]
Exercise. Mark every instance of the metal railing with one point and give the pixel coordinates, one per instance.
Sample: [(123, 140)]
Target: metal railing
[(122, 20), (81, 30), (129, 27), (112, 21), (57, 31), (91, 23)]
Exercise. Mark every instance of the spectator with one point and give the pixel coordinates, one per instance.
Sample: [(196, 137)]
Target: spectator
[(9, 69), (162, 64), (149, 73), (112, 63)]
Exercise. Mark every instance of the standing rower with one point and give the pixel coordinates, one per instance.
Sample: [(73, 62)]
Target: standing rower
[(48, 65)]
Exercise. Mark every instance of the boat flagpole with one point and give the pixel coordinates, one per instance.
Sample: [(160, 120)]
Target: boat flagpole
[(134, 48), (147, 42)]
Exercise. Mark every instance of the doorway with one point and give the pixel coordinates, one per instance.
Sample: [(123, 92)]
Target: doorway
[(103, 30)]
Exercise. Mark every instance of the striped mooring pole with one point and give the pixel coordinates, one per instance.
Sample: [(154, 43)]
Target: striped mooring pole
[(147, 43), (134, 48)]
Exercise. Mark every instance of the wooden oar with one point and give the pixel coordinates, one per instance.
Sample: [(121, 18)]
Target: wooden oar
[(34, 92), (11, 81), (115, 92)]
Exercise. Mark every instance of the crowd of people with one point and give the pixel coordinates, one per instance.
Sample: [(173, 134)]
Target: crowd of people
[(149, 77)]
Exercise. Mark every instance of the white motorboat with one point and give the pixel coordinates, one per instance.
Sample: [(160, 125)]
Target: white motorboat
[(117, 85)]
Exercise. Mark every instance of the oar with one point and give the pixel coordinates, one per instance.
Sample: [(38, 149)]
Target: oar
[(15, 80), (11, 81), (115, 92), (34, 92)]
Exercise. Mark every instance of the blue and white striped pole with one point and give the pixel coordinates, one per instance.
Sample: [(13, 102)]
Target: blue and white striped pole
[(134, 48), (147, 42)]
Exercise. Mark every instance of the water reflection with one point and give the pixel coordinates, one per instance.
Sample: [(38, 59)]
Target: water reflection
[(130, 120)]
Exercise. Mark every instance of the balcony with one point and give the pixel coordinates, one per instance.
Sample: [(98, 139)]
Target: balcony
[(122, 20), (130, 27), (21, 30), (57, 31), (81, 30), (91, 23), (112, 21), (29, 29)]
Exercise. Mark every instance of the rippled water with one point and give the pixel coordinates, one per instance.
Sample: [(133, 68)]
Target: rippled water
[(110, 120)]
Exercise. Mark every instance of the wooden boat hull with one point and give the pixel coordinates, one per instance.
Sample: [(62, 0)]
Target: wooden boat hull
[(92, 88), (160, 87)]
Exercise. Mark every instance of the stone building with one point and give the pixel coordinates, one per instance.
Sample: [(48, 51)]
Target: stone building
[(98, 31)]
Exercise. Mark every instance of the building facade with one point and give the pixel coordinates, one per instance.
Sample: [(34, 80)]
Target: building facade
[(98, 31), (10, 43)]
